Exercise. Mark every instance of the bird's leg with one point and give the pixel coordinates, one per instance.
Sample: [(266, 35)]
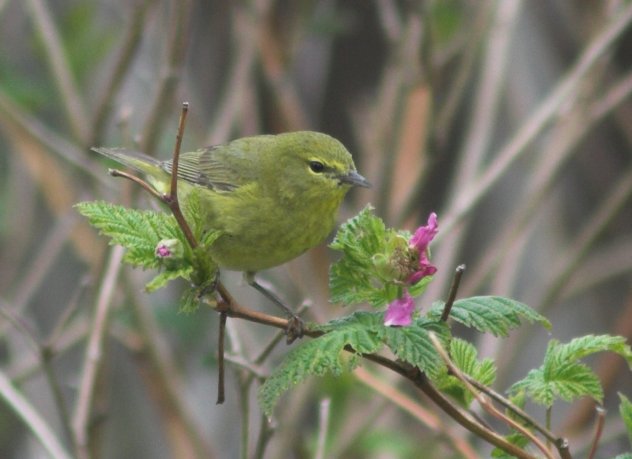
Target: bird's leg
[(295, 326)]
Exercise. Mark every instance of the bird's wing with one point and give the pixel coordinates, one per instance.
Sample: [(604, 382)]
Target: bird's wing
[(219, 168)]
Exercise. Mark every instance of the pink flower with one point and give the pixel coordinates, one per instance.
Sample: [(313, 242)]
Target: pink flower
[(424, 234), (420, 241), (400, 311)]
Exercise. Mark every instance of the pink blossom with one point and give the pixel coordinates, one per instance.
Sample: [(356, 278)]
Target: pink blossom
[(420, 241), (424, 234), (400, 311)]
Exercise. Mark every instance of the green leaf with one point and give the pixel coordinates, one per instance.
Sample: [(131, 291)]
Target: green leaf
[(365, 333), (168, 275), (412, 344), (624, 456), (625, 410), (590, 344), (490, 314), (465, 356), (138, 231), (562, 376), (352, 279), (322, 356)]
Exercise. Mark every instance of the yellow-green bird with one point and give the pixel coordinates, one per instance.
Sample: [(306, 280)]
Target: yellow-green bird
[(272, 197)]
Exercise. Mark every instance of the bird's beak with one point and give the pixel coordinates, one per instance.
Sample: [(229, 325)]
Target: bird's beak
[(353, 178)]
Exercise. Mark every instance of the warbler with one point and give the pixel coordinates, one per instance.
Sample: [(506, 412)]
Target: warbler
[(271, 197)]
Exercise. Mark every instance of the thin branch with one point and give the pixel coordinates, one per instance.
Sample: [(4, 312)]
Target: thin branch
[(416, 410), (177, 40), (324, 414), (546, 111), (578, 249), (484, 401), (25, 411), (164, 381), (62, 72), (94, 353), (221, 389), (13, 117), (129, 45), (513, 408), (138, 181)]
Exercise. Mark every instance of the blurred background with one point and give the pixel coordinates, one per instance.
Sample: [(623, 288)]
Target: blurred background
[(511, 119)]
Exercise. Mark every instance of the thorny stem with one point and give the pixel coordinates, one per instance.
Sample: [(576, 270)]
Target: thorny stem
[(453, 291)]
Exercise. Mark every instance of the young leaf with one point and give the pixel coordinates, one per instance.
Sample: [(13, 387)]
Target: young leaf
[(490, 314), (583, 346), (464, 355), (625, 410), (323, 355), (164, 277), (138, 231), (562, 376), (352, 279)]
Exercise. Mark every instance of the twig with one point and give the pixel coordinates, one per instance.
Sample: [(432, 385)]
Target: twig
[(128, 48), (247, 25), (45, 356), (601, 418), (177, 40), (94, 353), (13, 117), (578, 249), (164, 381), (172, 198), (546, 111), (416, 410), (221, 390), (453, 291), (138, 181), (61, 69), (324, 414), (484, 401), (24, 410), (513, 408)]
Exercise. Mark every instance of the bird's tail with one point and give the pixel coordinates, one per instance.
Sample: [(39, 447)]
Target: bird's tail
[(133, 159)]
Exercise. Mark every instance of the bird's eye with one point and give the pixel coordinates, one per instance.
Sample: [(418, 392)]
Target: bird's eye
[(316, 166)]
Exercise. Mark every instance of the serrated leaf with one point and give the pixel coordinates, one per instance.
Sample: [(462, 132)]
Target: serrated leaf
[(168, 275), (352, 279), (625, 410), (321, 356), (562, 376), (138, 231), (465, 356), (584, 346), (412, 344), (490, 314)]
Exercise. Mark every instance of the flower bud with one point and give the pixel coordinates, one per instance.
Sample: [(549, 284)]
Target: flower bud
[(169, 251)]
